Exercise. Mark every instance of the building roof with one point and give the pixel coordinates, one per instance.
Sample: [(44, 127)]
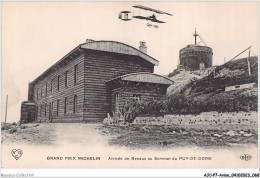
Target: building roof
[(117, 47), (144, 77), (199, 48), (28, 103), (108, 46)]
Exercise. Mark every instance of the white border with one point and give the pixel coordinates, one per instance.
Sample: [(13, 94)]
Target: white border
[(122, 172), (119, 172)]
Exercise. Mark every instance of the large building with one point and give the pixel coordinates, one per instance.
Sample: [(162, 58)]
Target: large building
[(95, 78), (195, 56)]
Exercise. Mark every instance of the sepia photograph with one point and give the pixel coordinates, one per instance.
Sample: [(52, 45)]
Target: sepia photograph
[(129, 85)]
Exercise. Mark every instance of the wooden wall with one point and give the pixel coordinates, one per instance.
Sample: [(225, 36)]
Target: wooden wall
[(147, 93), (101, 67), (69, 92)]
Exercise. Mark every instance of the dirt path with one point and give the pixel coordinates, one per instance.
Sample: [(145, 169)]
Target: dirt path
[(78, 134), (54, 134)]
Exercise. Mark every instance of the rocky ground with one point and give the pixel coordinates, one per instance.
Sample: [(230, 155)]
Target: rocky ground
[(130, 136), (184, 77), (137, 136), (35, 134)]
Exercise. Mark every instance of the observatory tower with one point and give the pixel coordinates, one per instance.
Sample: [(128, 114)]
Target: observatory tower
[(195, 56)]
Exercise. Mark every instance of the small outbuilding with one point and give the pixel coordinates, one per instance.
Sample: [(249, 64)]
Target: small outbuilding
[(28, 112), (137, 87)]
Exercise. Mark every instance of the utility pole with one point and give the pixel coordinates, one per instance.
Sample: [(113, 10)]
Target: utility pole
[(195, 35), (6, 108), (224, 60), (248, 62)]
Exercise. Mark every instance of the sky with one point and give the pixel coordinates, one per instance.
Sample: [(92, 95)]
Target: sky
[(35, 35)]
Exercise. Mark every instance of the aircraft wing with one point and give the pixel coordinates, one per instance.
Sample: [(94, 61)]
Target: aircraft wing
[(139, 17), (151, 9), (158, 21), (125, 12)]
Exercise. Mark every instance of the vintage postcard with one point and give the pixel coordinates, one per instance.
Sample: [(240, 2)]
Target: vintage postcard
[(129, 85)]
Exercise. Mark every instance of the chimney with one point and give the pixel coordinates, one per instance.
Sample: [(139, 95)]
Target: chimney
[(143, 47), (89, 40)]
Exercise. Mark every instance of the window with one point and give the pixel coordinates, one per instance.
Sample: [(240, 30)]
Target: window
[(66, 78), (51, 108), (58, 103), (75, 104), (117, 102), (58, 83), (41, 90), (38, 93), (46, 88), (45, 111), (51, 85), (65, 105), (136, 97), (40, 110), (52, 103), (75, 73)]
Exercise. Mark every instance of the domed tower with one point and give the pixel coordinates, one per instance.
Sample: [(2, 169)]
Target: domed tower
[(195, 57)]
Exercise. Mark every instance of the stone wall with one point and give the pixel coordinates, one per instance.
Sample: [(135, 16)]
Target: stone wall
[(210, 118)]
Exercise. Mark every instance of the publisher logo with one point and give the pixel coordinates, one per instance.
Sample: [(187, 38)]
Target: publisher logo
[(245, 157), (17, 153)]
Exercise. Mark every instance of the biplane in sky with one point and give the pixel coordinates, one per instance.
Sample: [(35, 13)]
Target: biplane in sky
[(125, 15)]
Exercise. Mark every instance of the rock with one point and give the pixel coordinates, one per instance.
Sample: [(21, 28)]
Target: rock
[(173, 132), (184, 133), (177, 130), (242, 132), (14, 123), (6, 127), (37, 125), (12, 130), (248, 135), (164, 143), (145, 129), (217, 135), (231, 133), (23, 127)]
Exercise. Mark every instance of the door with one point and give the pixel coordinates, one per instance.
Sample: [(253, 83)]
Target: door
[(31, 117), (117, 102), (50, 111)]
